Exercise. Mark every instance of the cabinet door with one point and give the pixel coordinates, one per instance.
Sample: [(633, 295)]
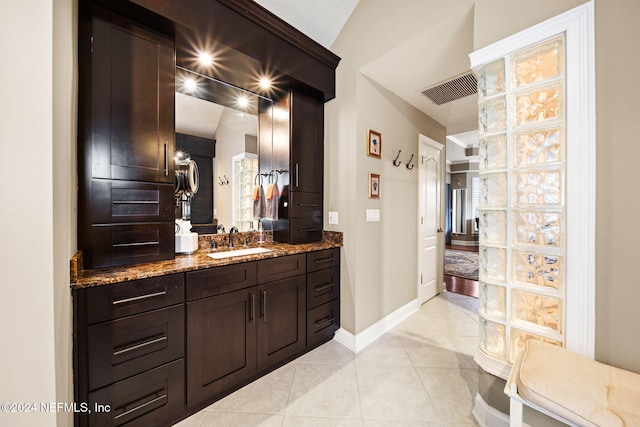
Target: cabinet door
[(307, 143), (132, 83), (221, 343), (282, 323)]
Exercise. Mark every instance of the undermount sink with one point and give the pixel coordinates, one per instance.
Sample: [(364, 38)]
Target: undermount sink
[(238, 252)]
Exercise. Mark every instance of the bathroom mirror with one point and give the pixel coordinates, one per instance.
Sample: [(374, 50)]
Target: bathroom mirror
[(217, 125), (458, 208)]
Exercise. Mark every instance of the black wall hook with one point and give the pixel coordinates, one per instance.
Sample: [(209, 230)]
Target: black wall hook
[(397, 163), (409, 165)]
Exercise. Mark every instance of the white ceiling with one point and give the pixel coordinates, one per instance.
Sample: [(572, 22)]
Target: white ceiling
[(437, 54)]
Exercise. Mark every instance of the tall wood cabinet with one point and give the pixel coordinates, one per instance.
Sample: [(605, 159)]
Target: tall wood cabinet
[(126, 143), (298, 148)]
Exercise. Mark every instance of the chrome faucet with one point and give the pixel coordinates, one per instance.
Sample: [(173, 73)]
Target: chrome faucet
[(234, 228)]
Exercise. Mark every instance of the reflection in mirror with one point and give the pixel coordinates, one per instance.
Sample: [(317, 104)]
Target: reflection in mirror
[(458, 220), (217, 125)]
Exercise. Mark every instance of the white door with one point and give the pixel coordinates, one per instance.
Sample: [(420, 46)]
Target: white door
[(430, 214)]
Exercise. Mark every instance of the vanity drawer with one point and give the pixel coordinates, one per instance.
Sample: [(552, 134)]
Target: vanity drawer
[(129, 201), (281, 268), (319, 260), (124, 347), (305, 205), (306, 230), (323, 286), (127, 244), (322, 322), (220, 280), (147, 399), (124, 299)]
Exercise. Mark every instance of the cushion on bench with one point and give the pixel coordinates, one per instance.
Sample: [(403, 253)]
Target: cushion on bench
[(581, 390)]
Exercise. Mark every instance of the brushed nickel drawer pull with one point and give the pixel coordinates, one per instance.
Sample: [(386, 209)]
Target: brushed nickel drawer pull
[(323, 260), (135, 202), (308, 205), (166, 158), (307, 230), (322, 288), (141, 345), (138, 298), (297, 175), (324, 322), (264, 305), (140, 406), (126, 245)]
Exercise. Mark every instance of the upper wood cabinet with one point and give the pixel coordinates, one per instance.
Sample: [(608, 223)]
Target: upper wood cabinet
[(132, 84), (298, 148)]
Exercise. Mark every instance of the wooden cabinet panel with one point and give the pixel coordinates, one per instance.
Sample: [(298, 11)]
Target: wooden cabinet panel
[(305, 205), (281, 327), (323, 286), (133, 80), (322, 322), (307, 143), (147, 399), (124, 347), (128, 201), (221, 343), (281, 267), (215, 281), (319, 260), (124, 299), (125, 244)]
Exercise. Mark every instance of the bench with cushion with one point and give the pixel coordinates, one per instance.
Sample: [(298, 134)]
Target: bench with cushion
[(572, 388)]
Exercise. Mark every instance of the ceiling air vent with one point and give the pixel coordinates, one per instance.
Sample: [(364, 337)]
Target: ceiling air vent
[(450, 90)]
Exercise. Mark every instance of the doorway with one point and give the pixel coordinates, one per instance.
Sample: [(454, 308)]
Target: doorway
[(430, 214)]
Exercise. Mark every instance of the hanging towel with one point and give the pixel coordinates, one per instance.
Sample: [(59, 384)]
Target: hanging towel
[(258, 203), (273, 194)]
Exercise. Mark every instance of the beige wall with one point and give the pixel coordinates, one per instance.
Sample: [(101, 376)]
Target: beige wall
[(38, 236), (617, 150), (379, 258)]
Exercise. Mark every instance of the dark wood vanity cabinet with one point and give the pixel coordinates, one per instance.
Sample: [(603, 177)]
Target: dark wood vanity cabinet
[(302, 155), (129, 351), (126, 142), (238, 326)]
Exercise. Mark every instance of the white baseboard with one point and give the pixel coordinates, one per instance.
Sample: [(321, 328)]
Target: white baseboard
[(488, 416), (465, 242), (356, 343)]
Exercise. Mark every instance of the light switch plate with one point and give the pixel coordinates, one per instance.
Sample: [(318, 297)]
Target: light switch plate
[(333, 218), (373, 215)]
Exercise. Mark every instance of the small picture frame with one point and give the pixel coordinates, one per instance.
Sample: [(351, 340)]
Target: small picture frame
[(374, 186), (374, 143)]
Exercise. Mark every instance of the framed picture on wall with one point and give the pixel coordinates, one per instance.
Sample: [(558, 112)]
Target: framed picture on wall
[(374, 143), (374, 186)]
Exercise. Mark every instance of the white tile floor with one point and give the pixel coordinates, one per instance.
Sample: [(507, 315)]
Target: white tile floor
[(419, 374)]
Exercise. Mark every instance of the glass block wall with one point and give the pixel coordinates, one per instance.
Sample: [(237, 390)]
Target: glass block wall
[(245, 170), (522, 199)]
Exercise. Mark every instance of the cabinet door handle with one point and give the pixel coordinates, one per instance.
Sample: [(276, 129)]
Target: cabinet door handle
[(143, 405), (138, 298), (138, 346), (322, 288), (323, 260), (324, 322), (307, 205), (166, 158), (252, 309), (264, 306), (307, 230), (297, 175)]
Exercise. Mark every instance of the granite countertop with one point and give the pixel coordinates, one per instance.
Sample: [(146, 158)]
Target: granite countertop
[(198, 260)]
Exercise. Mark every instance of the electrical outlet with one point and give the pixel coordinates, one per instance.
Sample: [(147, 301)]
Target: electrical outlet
[(333, 218)]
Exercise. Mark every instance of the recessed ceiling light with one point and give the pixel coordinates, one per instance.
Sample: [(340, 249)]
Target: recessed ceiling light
[(205, 58), (190, 85), (265, 83), (243, 101)]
